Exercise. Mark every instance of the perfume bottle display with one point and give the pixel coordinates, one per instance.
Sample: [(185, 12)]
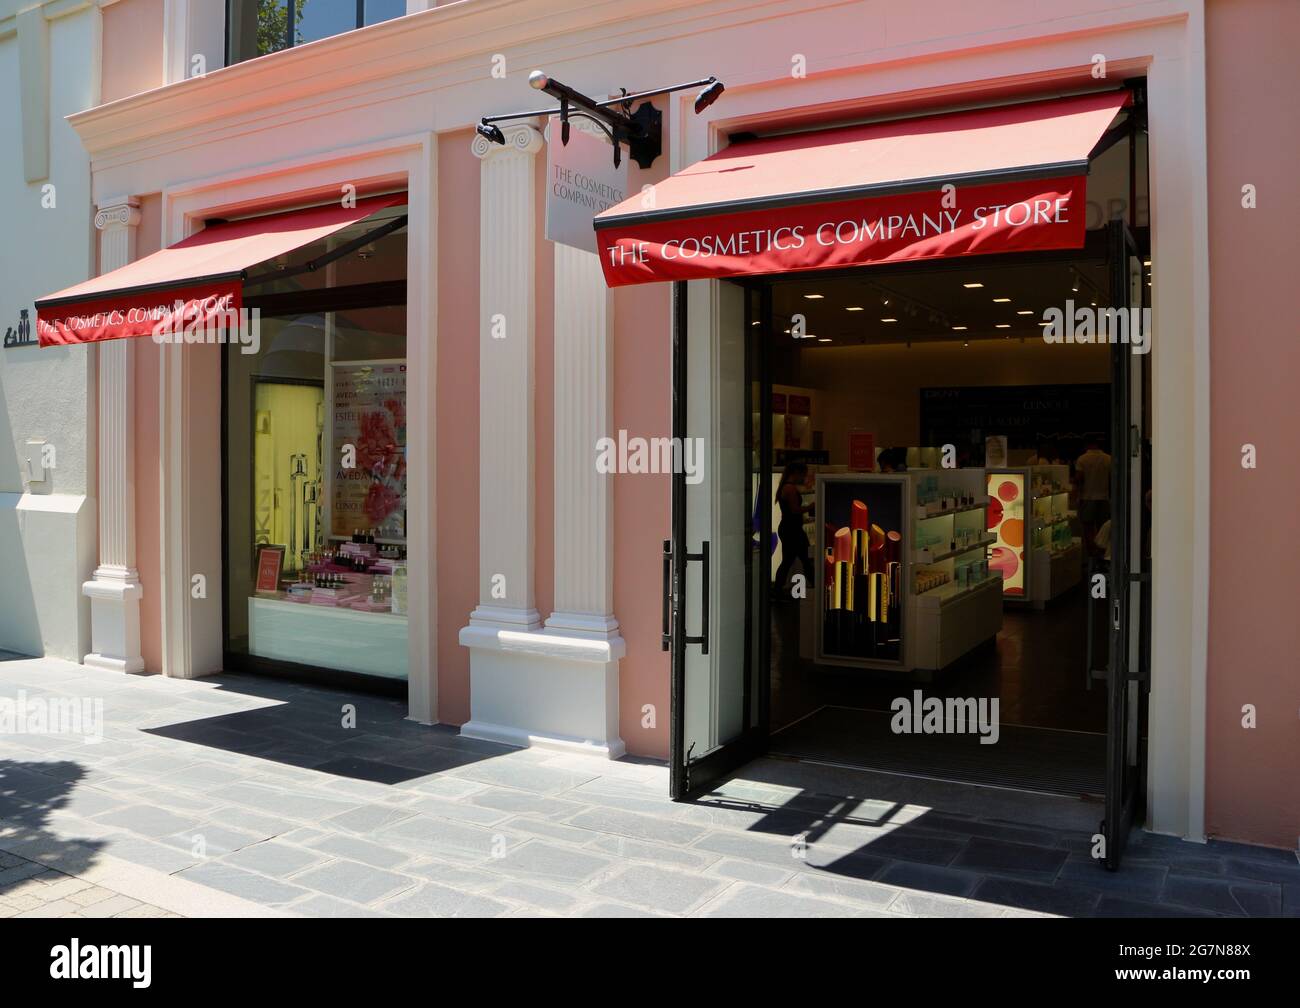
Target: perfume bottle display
[(862, 594)]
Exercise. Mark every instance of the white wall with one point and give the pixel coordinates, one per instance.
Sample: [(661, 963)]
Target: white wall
[(47, 529)]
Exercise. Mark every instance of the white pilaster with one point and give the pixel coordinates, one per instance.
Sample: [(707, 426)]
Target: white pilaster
[(584, 533), (115, 590), (555, 686), (507, 271)]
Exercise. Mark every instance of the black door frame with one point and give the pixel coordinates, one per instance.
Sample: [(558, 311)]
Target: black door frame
[(689, 774), (1127, 685)]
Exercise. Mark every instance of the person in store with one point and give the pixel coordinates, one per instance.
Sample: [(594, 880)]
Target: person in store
[(1092, 477), (1046, 455), (892, 460), (794, 540)]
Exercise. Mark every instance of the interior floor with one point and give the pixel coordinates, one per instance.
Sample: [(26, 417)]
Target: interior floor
[(1052, 736), (1035, 667)]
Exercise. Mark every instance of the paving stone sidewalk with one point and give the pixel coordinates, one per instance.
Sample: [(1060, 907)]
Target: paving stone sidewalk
[(29, 889), (309, 801)]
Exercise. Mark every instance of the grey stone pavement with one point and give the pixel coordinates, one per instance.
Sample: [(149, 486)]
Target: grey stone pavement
[(239, 795)]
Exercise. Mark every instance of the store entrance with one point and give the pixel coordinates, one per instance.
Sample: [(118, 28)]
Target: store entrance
[(936, 492)]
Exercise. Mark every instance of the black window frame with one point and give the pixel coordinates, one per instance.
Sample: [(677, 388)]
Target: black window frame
[(291, 11)]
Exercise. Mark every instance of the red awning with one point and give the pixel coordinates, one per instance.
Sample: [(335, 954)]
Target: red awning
[(193, 282), (1002, 179)]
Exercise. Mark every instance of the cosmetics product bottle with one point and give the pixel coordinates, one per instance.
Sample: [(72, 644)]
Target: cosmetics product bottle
[(399, 590)]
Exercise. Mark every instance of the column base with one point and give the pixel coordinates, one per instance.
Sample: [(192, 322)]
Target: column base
[(114, 624), (108, 663), (544, 688)]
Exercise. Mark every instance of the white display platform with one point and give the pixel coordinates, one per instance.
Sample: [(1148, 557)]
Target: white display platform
[(372, 643)]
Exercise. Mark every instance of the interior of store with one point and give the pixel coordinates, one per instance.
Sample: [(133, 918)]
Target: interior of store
[(963, 575), (315, 463)]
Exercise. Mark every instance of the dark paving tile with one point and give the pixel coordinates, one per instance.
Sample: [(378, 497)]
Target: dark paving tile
[(1140, 881), (1253, 852), (1069, 901), (1262, 870), (1290, 899), (367, 770), (965, 826), (1117, 906), (1254, 899), (1025, 860), (905, 844), (930, 878)]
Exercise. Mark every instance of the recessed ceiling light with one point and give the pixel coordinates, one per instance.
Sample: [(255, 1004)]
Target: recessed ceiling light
[(965, 344), (814, 297), (756, 322), (972, 286), (959, 328), (889, 320), (1146, 262), (1018, 313), (1003, 325), (1044, 323), (823, 339), (854, 308), (1001, 300)]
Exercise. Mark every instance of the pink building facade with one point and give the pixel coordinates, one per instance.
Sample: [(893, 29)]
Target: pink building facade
[(533, 584)]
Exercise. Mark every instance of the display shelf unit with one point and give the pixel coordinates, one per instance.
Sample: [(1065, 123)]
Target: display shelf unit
[(956, 599), (1035, 550), (1056, 554), (928, 530)]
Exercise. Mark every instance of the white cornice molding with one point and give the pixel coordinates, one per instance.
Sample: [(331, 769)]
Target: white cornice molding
[(450, 44)]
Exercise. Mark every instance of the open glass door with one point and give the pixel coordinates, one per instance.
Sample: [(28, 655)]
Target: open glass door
[(1128, 588), (709, 571)]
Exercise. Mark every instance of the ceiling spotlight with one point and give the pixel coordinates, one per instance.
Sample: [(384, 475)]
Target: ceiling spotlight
[(1146, 262), (965, 344), (853, 308), (1044, 323), (889, 320), (823, 339), (490, 132), (814, 297), (708, 96), (1001, 300), (884, 301), (1003, 325), (972, 286), (1024, 313), (959, 328)]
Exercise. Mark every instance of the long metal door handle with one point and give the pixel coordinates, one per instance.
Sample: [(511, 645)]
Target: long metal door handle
[(666, 638), (703, 557)]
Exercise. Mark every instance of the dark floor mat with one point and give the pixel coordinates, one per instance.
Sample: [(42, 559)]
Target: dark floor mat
[(1030, 759)]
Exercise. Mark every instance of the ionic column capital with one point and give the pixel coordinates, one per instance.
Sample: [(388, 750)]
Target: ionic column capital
[(521, 138), (119, 213)]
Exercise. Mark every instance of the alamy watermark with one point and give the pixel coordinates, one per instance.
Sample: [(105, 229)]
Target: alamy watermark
[(212, 320), (626, 454), (922, 715), (24, 715), (1087, 324)]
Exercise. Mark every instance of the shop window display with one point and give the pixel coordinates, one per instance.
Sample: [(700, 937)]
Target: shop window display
[(316, 456)]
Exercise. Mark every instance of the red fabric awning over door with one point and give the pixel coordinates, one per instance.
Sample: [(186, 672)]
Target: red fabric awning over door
[(1001, 179), (194, 282)]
